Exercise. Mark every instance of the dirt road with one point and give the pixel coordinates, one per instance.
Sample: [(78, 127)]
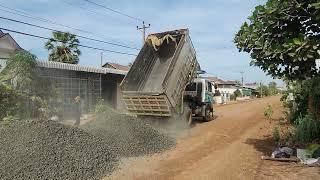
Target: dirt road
[(229, 147)]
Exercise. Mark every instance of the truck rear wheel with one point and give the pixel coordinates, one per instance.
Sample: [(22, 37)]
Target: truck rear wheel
[(189, 118)]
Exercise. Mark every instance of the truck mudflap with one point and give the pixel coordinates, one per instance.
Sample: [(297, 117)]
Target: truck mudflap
[(148, 105)]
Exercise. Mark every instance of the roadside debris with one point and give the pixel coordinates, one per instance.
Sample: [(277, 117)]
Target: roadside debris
[(309, 156), (284, 152), (294, 159)]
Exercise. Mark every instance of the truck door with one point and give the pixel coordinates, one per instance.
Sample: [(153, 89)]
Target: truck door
[(199, 90)]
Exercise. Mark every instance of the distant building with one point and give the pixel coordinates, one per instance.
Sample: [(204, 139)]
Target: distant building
[(7, 47), (116, 66), (90, 83), (253, 86), (226, 88)]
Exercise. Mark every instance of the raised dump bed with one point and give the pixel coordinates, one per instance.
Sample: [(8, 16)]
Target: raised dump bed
[(155, 82)]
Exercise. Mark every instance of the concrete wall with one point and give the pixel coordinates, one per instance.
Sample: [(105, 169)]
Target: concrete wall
[(111, 92)]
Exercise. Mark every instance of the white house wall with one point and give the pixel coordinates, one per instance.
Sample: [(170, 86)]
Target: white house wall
[(7, 47)]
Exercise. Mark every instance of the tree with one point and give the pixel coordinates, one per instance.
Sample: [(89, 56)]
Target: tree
[(282, 38), (237, 93), (64, 48), (273, 88), (264, 90), (19, 70)]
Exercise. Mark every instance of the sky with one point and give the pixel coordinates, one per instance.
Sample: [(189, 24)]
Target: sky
[(212, 25)]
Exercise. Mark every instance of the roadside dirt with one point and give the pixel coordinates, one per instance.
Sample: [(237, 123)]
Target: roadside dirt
[(229, 147)]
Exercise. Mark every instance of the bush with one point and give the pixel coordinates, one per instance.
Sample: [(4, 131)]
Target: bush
[(101, 107), (307, 129), (8, 101), (268, 112), (237, 93), (276, 134)]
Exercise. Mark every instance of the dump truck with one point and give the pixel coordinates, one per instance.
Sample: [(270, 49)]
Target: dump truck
[(155, 83), (198, 97)]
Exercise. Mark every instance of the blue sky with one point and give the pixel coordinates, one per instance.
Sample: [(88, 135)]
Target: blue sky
[(212, 25)]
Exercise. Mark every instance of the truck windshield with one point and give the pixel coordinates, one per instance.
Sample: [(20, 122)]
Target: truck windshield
[(191, 87)]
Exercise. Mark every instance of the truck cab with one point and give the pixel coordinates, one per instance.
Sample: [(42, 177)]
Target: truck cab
[(198, 96)]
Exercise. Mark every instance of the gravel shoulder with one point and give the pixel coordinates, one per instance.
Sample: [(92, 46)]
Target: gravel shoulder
[(229, 147)]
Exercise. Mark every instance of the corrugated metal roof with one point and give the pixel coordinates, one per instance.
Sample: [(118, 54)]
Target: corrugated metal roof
[(117, 66), (75, 67)]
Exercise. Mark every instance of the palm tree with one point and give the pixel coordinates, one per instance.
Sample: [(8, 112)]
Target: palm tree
[(63, 47)]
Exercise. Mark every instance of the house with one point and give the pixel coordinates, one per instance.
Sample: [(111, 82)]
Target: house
[(7, 47), (253, 86), (116, 66), (226, 88), (70, 80)]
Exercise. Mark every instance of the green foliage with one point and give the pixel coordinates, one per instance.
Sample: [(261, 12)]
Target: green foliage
[(102, 107), (314, 150), (307, 129), (264, 90), (273, 88), (276, 134), (282, 38), (237, 93), (232, 97), (23, 94), (303, 92), (299, 106), (19, 70), (63, 47), (314, 94), (8, 101), (268, 112)]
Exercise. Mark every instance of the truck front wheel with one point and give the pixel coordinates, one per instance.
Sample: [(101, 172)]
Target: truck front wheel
[(208, 114)]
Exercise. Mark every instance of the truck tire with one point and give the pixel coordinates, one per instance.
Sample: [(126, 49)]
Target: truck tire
[(208, 114), (187, 114), (189, 118)]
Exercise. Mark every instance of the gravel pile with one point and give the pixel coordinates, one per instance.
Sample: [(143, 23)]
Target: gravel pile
[(128, 136), (47, 150)]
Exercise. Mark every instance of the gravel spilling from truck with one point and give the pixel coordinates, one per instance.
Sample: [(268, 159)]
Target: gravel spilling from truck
[(48, 150), (128, 136)]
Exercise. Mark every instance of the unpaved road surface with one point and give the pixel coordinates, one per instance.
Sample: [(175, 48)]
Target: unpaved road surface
[(229, 147)]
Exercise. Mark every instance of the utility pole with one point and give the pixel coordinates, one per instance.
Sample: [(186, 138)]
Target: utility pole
[(101, 59), (143, 30), (241, 72), (260, 88)]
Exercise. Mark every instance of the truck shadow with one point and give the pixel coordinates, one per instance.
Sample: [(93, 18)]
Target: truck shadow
[(196, 121)]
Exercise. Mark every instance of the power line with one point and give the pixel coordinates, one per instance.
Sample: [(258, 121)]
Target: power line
[(86, 9), (115, 11), (83, 37), (21, 13), (27, 15), (46, 38)]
